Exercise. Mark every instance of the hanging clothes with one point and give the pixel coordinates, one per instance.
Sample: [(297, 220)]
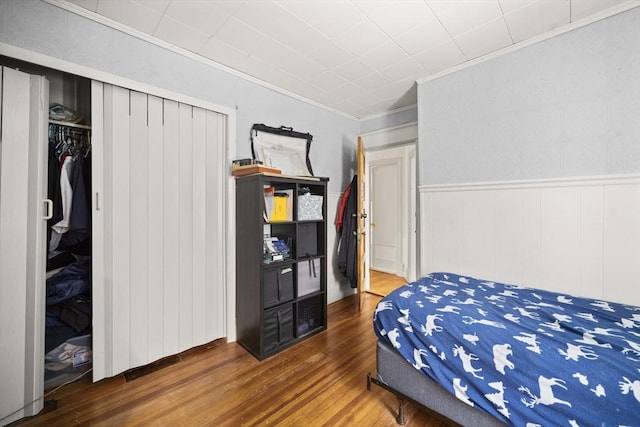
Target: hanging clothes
[(53, 190), (80, 216), (69, 189), (348, 243)]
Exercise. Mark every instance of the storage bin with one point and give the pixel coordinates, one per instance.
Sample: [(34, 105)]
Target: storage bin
[(307, 244), (310, 207), (278, 327), (278, 285), (309, 273)]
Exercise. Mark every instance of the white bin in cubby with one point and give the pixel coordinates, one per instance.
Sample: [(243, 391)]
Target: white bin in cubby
[(310, 207), (308, 276)]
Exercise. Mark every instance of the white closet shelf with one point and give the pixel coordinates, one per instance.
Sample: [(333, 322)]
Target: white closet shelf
[(71, 125)]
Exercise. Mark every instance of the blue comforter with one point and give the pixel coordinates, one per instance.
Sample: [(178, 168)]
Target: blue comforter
[(526, 356)]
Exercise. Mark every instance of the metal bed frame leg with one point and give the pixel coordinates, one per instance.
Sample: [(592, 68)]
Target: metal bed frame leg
[(401, 401), (400, 418)]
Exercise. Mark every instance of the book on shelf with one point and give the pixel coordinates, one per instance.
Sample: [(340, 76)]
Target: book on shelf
[(269, 194)]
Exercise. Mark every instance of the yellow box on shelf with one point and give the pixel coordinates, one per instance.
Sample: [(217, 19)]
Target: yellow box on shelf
[(282, 206)]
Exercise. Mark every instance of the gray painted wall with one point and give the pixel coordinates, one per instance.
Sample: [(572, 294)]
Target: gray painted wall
[(567, 106), (391, 120), (46, 29)]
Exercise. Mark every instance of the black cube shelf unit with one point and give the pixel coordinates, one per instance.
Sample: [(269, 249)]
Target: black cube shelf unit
[(279, 303)]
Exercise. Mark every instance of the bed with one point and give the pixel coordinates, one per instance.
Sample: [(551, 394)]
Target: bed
[(485, 353)]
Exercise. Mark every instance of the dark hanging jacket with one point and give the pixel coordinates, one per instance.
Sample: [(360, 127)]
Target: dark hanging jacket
[(348, 243)]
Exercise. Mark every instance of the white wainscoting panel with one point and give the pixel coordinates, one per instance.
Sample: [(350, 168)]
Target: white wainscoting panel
[(577, 235)]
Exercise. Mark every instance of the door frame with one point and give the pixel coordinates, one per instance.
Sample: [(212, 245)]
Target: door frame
[(406, 134)]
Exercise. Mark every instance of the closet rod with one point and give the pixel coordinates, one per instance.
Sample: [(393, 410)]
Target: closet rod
[(71, 125)]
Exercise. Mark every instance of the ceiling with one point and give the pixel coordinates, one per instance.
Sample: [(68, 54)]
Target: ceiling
[(359, 57)]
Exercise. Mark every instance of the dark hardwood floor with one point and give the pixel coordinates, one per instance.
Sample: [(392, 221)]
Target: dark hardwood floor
[(320, 381)]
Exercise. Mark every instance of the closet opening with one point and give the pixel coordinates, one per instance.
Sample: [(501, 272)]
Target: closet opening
[(68, 290)]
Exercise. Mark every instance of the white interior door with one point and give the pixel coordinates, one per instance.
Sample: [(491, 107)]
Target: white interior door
[(23, 139), (386, 215)]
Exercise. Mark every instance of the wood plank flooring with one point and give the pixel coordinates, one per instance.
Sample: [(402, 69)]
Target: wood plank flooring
[(319, 382), (382, 283)]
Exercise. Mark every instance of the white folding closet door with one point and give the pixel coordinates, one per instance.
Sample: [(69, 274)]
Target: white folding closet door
[(159, 204), (23, 143)]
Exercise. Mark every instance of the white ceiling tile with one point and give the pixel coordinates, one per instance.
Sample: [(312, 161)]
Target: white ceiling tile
[(229, 6), (349, 90), (368, 7), (329, 54), (423, 37), (383, 55), (264, 15), (389, 104), (330, 17), (347, 106), (179, 34), (353, 70), (583, 8), (371, 81), (270, 18), (441, 57), (468, 15), (484, 39), (240, 35), (439, 6), (509, 6), (131, 14), (270, 73), (366, 98), (202, 16), (537, 18), (225, 54), (404, 69), (398, 17), (158, 5), (363, 37), (388, 92), (91, 5), (300, 37), (328, 81), (316, 94), (282, 57), (286, 81)]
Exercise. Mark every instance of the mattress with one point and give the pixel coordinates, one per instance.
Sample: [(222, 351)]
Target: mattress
[(522, 355), (397, 373)]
